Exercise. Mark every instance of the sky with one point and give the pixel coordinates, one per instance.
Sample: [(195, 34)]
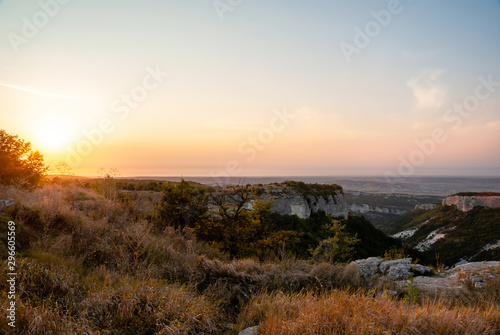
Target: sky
[(255, 87)]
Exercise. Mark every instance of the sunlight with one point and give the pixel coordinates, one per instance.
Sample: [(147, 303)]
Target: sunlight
[(55, 132)]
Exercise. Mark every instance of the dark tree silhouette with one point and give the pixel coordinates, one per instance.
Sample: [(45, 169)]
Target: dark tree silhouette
[(19, 164), (183, 205)]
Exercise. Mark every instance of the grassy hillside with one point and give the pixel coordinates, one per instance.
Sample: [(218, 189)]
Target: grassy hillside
[(466, 233), (409, 219), (373, 241), (90, 264)]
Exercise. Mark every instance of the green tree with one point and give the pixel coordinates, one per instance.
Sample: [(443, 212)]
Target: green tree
[(183, 204), (19, 164), (241, 225), (339, 247)]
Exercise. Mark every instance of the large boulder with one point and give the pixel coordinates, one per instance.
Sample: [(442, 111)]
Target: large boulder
[(396, 269), (385, 266), (368, 267), (398, 272)]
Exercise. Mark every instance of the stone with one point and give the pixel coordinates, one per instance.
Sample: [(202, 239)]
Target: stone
[(426, 207), (475, 266), (433, 284), (384, 266), (249, 331), (420, 269), (398, 272), (397, 269), (6, 203), (293, 203), (368, 267)]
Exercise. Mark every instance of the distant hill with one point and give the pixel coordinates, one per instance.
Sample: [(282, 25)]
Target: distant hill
[(452, 233)]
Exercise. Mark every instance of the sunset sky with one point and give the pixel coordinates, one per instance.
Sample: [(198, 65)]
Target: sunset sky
[(255, 87)]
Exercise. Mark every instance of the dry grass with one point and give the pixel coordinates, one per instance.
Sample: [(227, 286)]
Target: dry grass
[(90, 265), (236, 282), (143, 307), (56, 298), (342, 312)]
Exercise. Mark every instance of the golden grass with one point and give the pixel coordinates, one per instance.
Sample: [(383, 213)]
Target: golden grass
[(343, 312), (147, 306), (52, 299), (90, 265)]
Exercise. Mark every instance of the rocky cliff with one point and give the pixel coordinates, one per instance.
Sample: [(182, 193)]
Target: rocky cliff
[(426, 207), (304, 199), (455, 234), (467, 201), (365, 208)]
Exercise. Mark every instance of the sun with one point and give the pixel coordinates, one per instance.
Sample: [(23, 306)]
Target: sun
[(55, 132)]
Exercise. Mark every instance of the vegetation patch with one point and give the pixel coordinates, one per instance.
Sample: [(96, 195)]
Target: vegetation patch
[(314, 190), (341, 312), (478, 194)]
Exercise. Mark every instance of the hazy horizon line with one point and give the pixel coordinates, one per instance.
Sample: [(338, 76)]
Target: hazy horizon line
[(294, 176)]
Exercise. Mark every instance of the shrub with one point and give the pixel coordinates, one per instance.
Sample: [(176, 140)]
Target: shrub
[(339, 247), (18, 163), (183, 205)]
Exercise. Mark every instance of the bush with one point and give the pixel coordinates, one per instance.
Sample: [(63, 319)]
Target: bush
[(18, 163), (183, 205)]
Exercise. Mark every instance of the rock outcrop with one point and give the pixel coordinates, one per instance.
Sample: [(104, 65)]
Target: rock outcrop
[(475, 274), (298, 198), (466, 202), (397, 269), (365, 208), (296, 204), (426, 207)]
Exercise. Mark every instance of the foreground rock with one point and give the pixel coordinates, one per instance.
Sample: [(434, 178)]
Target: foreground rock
[(249, 331), (397, 269), (6, 203), (474, 275), (470, 275)]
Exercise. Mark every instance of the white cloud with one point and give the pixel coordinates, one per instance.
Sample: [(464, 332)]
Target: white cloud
[(426, 89), (44, 94)]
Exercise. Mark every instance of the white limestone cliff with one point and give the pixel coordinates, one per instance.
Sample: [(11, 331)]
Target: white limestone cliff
[(426, 206), (293, 203), (466, 203)]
